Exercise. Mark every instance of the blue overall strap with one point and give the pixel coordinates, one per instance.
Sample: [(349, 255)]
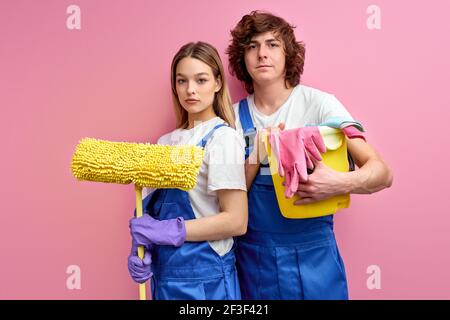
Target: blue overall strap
[(205, 139), (247, 126)]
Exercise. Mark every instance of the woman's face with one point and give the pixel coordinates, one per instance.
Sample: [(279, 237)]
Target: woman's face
[(265, 58), (195, 85)]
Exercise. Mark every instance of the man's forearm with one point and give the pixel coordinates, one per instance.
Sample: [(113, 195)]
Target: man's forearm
[(373, 176)]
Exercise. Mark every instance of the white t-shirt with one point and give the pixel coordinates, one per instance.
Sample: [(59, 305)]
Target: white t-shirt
[(304, 106), (222, 168)]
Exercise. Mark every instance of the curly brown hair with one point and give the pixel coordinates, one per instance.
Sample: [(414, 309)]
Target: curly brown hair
[(258, 22)]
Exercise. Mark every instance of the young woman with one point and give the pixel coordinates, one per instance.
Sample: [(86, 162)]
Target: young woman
[(281, 258), (189, 235)]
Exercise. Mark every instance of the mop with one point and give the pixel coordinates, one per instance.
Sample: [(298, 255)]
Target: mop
[(143, 164)]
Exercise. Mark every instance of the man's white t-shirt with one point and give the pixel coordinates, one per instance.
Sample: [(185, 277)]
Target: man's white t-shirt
[(222, 168), (305, 105)]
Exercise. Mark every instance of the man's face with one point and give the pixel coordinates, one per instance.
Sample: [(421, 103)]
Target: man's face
[(265, 58)]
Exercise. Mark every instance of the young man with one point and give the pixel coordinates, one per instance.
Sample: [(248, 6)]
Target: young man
[(281, 258)]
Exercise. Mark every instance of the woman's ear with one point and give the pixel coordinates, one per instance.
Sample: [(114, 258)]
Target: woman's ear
[(218, 84)]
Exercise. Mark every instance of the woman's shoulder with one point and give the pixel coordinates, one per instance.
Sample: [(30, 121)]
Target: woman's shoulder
[(227, 136), (170, 138)]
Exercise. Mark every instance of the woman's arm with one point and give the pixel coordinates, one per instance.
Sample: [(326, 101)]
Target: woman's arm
[(231, 221), (251, 170)]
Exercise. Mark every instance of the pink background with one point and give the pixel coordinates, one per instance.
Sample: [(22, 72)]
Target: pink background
[(110, 80)]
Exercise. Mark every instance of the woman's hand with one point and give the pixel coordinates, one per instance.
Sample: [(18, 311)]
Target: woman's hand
[(259, 152), (147, 230)]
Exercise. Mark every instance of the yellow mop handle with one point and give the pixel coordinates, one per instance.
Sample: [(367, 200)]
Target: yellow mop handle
[(140, 248)]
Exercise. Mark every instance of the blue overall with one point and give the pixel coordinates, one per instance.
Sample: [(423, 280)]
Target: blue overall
[(280, 258), (194, 270)]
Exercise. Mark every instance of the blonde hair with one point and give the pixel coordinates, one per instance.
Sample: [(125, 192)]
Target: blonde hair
[(206, 53)]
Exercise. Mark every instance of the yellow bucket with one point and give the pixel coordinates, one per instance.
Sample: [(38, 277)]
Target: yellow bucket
[(335, 157)]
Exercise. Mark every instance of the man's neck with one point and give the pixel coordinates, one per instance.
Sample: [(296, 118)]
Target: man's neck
[(270, 97)]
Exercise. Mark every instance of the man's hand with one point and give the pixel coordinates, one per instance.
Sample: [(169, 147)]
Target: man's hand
[(322, 184)]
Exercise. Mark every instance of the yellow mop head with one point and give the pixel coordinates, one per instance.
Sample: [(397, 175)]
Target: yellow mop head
[(144, 164)]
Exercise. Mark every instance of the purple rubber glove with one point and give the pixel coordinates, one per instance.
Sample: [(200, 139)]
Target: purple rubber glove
[(140, 269), (146, 231)]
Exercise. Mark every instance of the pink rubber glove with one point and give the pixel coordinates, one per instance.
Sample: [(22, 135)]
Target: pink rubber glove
[(293, 160), (352, 132), (296, 147), (314, 144)]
